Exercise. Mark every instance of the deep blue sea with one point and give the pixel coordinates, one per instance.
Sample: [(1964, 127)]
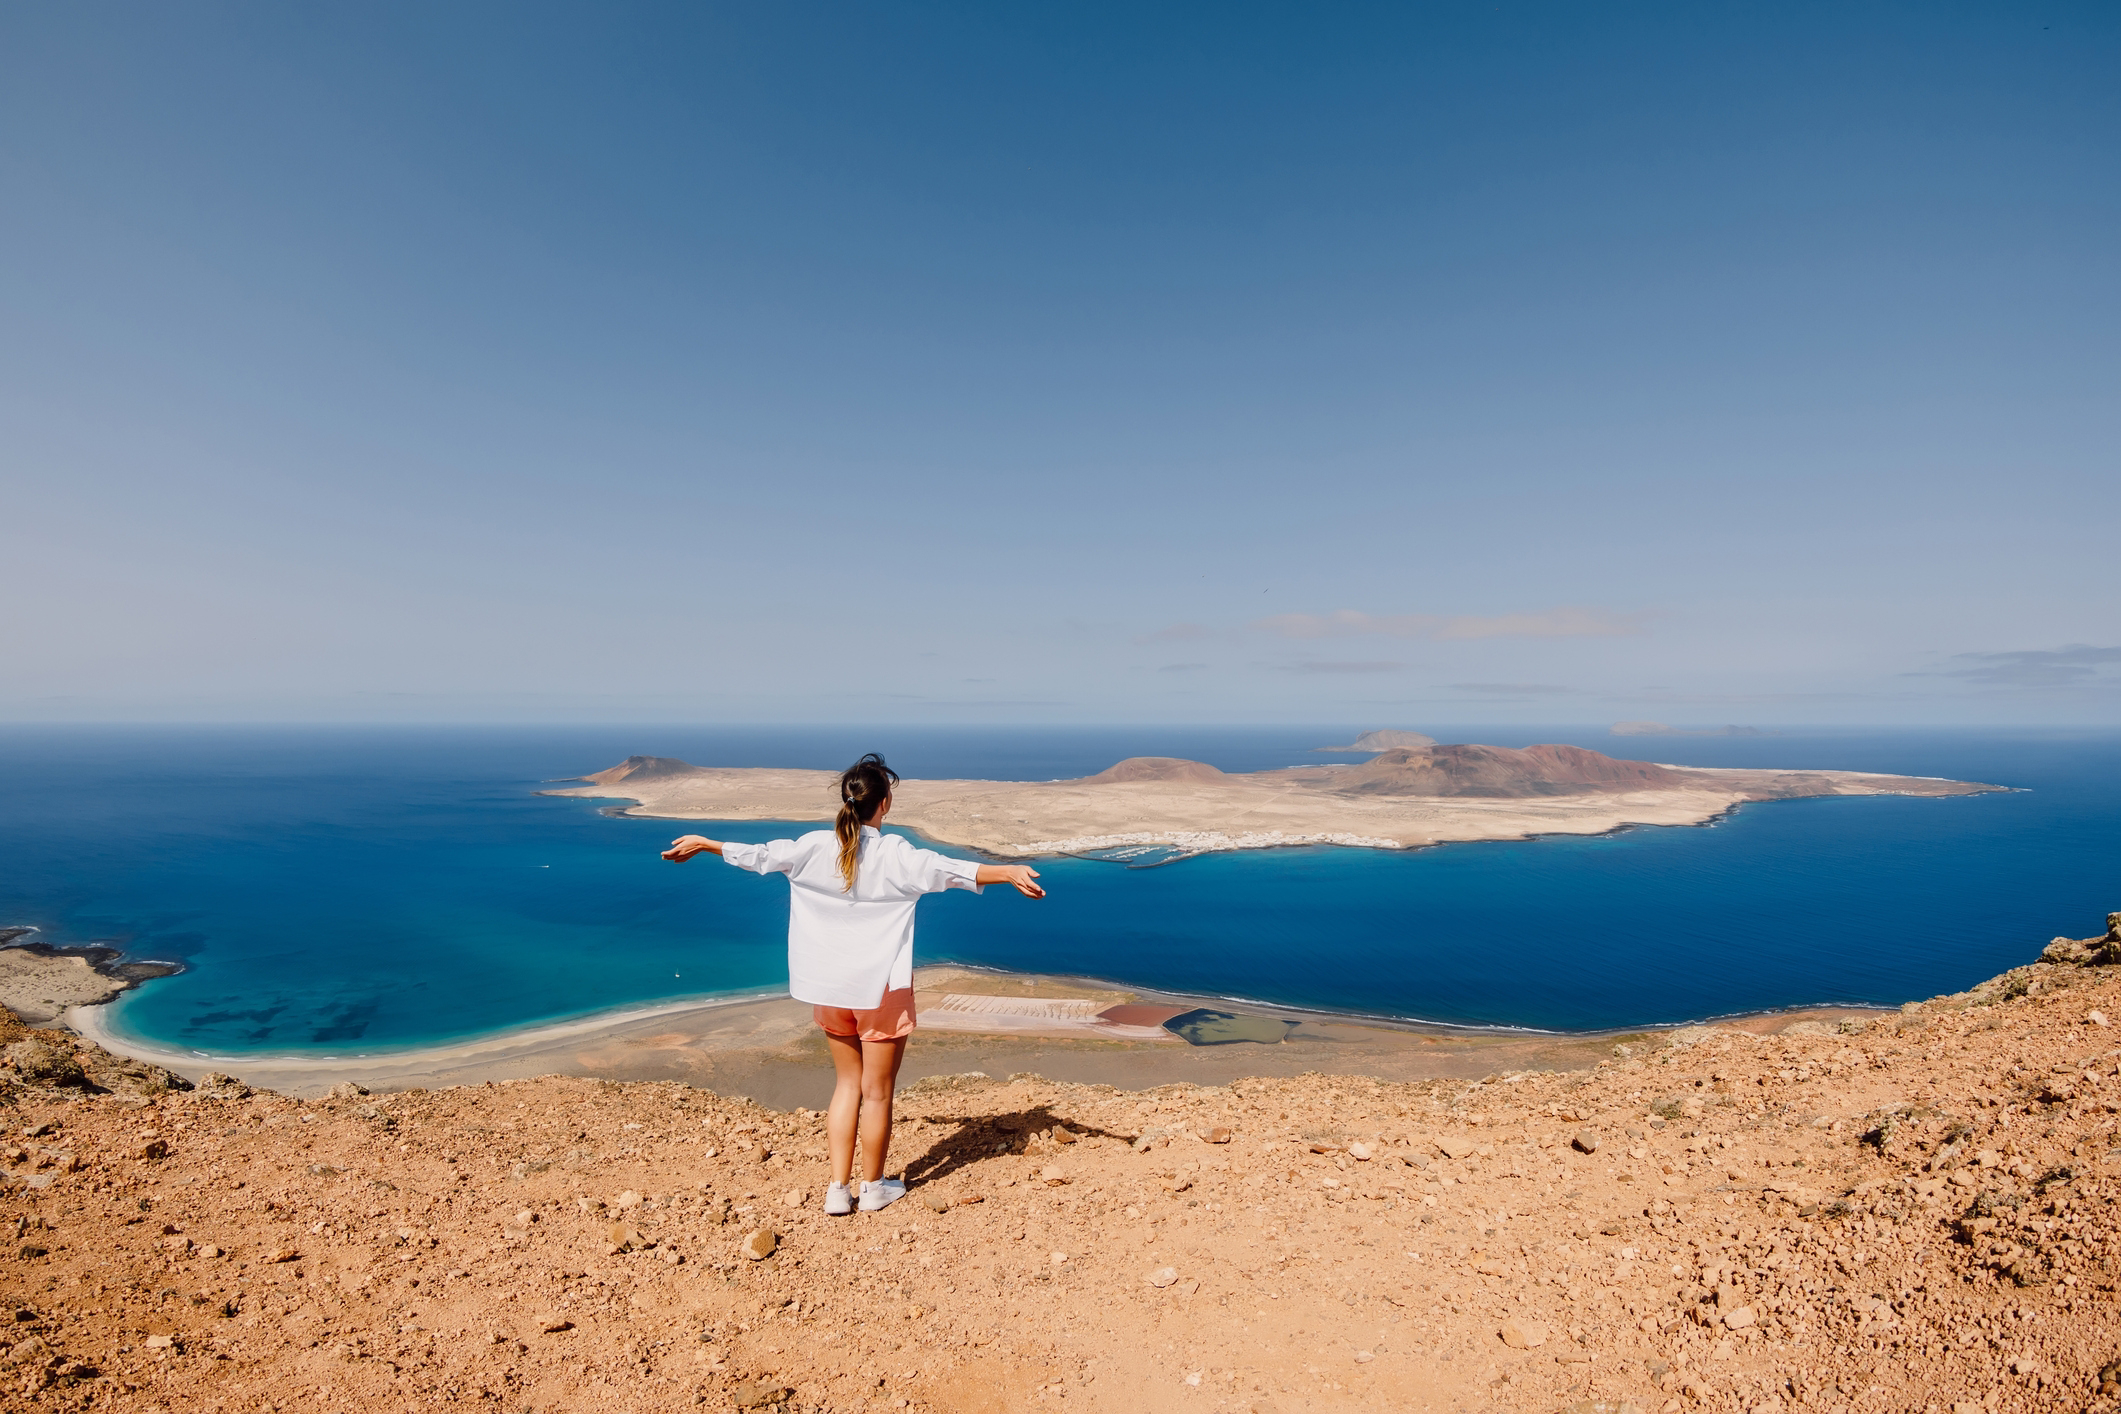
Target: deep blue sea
[(348, 890)]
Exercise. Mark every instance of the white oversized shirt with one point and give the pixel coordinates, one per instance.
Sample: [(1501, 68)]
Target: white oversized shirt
[(847, 949)]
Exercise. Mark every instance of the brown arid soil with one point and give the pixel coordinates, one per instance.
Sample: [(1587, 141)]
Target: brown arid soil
[(1917, 1212)]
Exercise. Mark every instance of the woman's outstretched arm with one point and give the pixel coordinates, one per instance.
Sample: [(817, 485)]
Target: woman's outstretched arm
[(1023, 876), (685, 846)]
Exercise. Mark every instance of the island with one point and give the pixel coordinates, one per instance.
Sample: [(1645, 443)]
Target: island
[(1399, 799)]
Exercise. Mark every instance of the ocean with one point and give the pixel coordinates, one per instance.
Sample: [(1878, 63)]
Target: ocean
[(350, 890)]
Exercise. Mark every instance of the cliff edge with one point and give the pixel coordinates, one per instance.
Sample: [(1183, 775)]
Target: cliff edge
[(1916, 1212)]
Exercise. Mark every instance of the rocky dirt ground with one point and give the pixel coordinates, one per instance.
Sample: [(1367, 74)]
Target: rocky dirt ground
[(1916, 1213)]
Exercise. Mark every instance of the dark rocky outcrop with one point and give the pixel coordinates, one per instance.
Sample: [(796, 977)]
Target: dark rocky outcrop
[(1384, 739), (1503, 772), (45, 1058), (60, 1060), (2088, 952)]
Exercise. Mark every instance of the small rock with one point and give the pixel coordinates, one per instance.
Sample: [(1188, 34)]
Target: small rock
[(1063, 1136), (1489, 1267), (552, 1325), (1218, 1135), (1052, 1177), (160, 1342), (1162, 1277), (760, 1245), (760, 1395), (1363, 1357), (1359, 1152), (153, 1149), (525, 1217), (793, 1198), (1585, 1142), (1523, 1335), (2025, 1365), (283, 1254), (628, 1199), (1059, 1258), (345, 1090), (209, 1252), (936, 1202), (1456, 1148), (1739, 1319), (2097, 1018)]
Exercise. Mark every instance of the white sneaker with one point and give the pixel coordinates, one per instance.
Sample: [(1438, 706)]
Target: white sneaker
[(881, 1194), (839, 1201)]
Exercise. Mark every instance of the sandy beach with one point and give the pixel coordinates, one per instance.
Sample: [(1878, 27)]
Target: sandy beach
[(1898, 1212), (39, 982), (768, 1048)]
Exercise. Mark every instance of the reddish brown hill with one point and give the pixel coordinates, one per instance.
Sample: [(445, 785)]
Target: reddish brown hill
[(1154, 768), (641, 768), (1503, 772)]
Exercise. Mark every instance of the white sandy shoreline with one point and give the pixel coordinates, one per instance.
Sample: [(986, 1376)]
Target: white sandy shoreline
[(93, 1022), (400, 1064)]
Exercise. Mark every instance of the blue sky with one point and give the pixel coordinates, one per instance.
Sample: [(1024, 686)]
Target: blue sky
[(1704, 363)]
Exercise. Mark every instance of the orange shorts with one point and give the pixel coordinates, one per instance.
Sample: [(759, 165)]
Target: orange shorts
[(888, 1020)]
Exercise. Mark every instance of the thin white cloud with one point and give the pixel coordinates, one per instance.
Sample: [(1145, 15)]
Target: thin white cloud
[(1513, 689), (1566, 621), (1360, 666), (1177, 633), (2077, 665)]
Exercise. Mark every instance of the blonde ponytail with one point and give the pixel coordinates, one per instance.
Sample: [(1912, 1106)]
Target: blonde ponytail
[(864, 787)]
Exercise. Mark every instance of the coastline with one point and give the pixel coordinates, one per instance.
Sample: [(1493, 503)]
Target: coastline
[(1713, 1219), (765, 1046), (40, 982), (1399, 800)]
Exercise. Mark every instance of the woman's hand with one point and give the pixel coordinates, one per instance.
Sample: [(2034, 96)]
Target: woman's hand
[(685, 846), (1023, 876)]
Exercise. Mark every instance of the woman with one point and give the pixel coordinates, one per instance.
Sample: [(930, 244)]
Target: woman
[(851, 894)]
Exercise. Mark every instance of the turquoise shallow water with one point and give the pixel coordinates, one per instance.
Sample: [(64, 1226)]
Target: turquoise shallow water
[(350, 890)]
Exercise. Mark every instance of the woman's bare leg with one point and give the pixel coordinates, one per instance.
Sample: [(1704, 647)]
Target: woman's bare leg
[(846, 1102), (879, 1083)]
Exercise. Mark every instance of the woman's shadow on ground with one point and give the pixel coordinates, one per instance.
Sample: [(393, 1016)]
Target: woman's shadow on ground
[(977, 1137)]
